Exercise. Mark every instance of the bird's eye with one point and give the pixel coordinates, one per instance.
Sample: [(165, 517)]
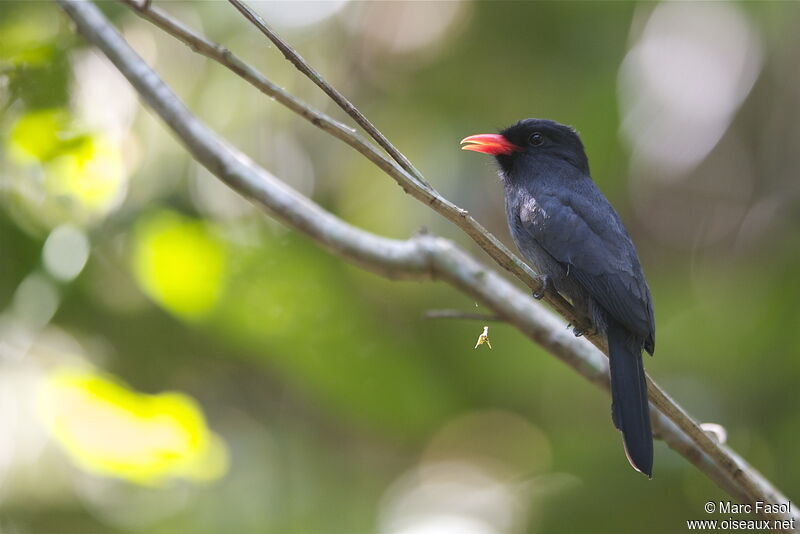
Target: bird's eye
[(536, 139)]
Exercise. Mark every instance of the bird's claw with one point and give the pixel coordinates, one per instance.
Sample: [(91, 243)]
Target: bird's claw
[(579, 332), (545, 280)]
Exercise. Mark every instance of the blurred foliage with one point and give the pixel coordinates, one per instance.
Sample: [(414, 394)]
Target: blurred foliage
[(313, 397), (179, 263), (110, 430), (60, 175)]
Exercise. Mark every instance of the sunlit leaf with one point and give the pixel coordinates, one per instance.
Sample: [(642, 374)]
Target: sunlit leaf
[(109, 429), (38, 135), (63, 174), (91, 175), (179, 262)]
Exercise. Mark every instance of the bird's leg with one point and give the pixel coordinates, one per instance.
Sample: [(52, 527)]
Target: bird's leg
[(584, 310), (545, 280), (576, 330), (587, 325)]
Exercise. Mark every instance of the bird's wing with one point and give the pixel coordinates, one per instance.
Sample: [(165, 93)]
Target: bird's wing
[(597, 250)]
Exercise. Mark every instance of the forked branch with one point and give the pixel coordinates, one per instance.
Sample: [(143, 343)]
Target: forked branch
[(421, 257)]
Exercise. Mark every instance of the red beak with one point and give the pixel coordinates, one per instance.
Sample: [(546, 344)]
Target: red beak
[(493, 144)]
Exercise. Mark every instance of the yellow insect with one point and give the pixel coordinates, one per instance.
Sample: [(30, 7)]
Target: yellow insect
[(484, 338)]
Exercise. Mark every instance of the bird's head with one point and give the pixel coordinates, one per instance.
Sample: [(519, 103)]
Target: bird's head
[(531, 142)]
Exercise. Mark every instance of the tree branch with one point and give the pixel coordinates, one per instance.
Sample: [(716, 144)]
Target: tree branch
[(425, 194), (291, 54), (421, 257), (753, 485), (458, 314)]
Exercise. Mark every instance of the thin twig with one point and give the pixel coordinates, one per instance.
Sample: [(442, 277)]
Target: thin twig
[(428, 196), (421, 257), (342, 101), (458, 314), (657, 395), (522, 271)]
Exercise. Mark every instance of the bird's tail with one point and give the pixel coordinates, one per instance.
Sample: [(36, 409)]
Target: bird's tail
[(629, 406)]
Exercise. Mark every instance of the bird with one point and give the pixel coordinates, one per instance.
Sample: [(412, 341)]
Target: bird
[(568, 231)]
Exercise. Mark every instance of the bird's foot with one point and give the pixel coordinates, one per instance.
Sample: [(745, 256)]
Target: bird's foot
[(581, 331), (545, 280)]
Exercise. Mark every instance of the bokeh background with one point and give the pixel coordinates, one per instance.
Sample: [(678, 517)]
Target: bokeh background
[(171, 360)]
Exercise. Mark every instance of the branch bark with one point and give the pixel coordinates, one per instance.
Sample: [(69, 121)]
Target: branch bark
[(458, 314), (425, 194), (421, 257), (291, 54)]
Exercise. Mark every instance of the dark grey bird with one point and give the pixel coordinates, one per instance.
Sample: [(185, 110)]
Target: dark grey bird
[(566, 228)]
